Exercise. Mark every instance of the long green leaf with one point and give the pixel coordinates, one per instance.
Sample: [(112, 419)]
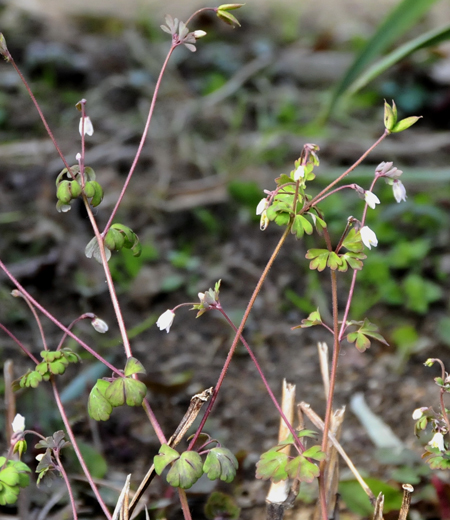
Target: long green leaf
[(401, 18), (427, 39)]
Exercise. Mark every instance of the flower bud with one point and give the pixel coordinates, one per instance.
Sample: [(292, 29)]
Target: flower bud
[(165, 320), (64, 192), (99, 325), (199, 34)]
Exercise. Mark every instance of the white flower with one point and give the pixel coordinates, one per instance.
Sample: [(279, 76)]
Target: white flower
[(78, 157), (368, 237), (299, 173), (437, 441), (99, 325), (88, 128), (417, 414), (371, 199), (18, 425), (165, 320), (262, 206), (199, 34), (399, 191)]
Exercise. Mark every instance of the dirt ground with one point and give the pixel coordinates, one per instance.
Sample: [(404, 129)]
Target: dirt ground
[(194, 232)]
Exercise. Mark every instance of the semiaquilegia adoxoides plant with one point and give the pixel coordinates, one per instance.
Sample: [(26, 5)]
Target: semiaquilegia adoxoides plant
[(288, 205)]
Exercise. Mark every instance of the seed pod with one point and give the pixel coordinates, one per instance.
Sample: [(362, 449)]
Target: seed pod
[(89, 189), (114, 240), (98, 196), (63, 192), (75, 189)]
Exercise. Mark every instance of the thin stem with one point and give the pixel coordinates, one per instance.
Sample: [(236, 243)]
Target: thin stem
[(202, 10), (266, 384), (154, 422), (66, 480), (348, 304), (85, 316), (109, 280), (142, 142), (184, 504), (77, 449), (58, 323), (37, 320), (239, 333), (442, 392), (19, 343), (313, 201), (38, 108)]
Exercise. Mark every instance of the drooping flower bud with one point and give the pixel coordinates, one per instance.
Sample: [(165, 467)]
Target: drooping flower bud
[(165, 320), (368, 237)]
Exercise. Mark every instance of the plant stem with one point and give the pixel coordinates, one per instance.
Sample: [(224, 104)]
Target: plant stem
[(77, 449), (37, 320), (354, 165), (66, 480), (21, 345), (58, 323), (266, 384), (142, 141), (184, 504), (154, 422), (239, 333)]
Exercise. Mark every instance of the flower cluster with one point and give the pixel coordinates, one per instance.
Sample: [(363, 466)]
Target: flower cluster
[(180, 33)]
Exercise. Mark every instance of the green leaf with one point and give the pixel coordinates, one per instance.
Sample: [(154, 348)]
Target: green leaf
[(31, 378), (134, 391), (186, 470), (362, 343), (9, 476), (134, 366), (115, 393), (313, 319), (314, 453), (99, 407), (334, 261), (353, 241), (302, 469), (8, 495), (401, 18), (357, 501), (220, 463), (297, 226), (166, 455), (272, 465), (319, 258)]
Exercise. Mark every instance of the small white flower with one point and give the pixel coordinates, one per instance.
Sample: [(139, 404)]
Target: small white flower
[(165, 320), (368, 237), (262, 206), (99, 325), (399, 191), (437, 441), (371, 199), (199, 34), (299, 173), (417, 414), (40, 456), (78, 157), (88, 128), (18, 425)]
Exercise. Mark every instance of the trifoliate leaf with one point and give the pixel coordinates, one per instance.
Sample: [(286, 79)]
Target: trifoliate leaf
[(272, 465), (313, 319), (334, 261), (99, 408), (186, 470), (30, 379), (220, 463)]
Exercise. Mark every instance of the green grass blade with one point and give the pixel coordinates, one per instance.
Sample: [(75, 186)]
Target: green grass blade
[(427, 39), (401, 18)]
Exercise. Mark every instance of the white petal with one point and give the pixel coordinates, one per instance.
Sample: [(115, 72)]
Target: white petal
[(262, 205), (99, 325), (299, 173), (88, 127), (368, 237), (371, 199), (165, 320), (18, 425), (437, 441), (399, 191)]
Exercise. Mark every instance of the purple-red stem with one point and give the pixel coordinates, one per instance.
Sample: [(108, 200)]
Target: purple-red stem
[(66, 480), (19, 343), (239, 333), (77, 449)]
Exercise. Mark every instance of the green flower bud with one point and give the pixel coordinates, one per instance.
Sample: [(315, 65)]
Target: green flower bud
[(390, 116), (114, 240), (228, 18), (3, 48), (20, 447), (63, 192), (404, 124), (89, 189)]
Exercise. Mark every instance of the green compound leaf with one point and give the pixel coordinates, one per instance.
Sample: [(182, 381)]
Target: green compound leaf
[(354, 260), (436, 459), (186, 470), (334, 261), (8, 495), (12, 477), (361, 336), (353, 241), (313, 319), (9, 476), (318, 257), (361, 342), (30, 379), (166, 456), (272, 465), (220, 463), (99, 408), (134, 366), (56, 441), (302, 469)]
